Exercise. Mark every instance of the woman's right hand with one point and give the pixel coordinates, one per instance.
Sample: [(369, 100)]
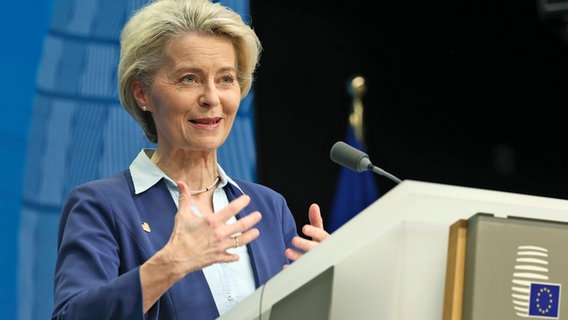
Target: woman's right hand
[(195, 243), (199, 241)]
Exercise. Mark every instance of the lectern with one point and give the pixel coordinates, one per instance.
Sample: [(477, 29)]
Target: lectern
[(389, 261)]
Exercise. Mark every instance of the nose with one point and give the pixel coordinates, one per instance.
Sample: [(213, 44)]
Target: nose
[(209, 97)]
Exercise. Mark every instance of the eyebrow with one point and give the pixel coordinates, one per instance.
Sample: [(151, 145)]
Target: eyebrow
[(199, 70)]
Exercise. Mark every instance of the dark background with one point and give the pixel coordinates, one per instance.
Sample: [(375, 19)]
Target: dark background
[(468, 93)]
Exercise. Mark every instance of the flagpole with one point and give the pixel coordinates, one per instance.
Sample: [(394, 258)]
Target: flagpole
[(357, 88)]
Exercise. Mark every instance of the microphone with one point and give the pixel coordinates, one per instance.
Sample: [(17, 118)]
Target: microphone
[(356, 160)]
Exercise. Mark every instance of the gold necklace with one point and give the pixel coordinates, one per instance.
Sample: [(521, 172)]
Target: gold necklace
[(194, 192)]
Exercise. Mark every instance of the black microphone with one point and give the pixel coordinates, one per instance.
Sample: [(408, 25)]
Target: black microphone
[(356, 160)]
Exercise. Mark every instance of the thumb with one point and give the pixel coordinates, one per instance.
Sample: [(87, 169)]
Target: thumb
[(184, 200)]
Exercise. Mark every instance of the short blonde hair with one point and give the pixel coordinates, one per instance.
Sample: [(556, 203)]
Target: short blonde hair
[(145, 37)]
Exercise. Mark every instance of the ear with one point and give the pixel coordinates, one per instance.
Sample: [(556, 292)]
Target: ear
[(139, 93)]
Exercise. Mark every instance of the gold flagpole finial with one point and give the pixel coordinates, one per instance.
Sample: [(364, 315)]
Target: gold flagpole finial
[(357, 89)]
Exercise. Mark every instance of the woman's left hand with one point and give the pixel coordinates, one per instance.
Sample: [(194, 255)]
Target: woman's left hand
[(314, 230)]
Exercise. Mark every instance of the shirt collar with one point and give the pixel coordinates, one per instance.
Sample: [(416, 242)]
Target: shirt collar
[(146, 173)]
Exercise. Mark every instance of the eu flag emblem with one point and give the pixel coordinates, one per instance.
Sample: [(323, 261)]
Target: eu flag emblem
[(544, 300)]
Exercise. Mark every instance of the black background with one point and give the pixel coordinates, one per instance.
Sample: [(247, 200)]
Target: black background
[(468, 93)]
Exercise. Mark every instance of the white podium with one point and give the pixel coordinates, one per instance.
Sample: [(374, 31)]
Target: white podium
[(388, 262)]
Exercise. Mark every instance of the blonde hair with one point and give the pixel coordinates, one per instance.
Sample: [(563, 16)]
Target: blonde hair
[(145, 37)]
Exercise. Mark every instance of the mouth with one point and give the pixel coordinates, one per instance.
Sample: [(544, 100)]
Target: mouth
[(206, 121)]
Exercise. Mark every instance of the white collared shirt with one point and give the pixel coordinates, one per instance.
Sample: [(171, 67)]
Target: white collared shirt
[(230, 283)]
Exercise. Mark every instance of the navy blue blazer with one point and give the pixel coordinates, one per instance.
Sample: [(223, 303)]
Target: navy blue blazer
[(101, 245)]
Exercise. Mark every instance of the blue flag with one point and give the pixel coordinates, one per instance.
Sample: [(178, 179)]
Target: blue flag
[(544, 300), (354, 191)]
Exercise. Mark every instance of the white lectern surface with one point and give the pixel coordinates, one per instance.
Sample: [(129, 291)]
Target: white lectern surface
[(389, 262)]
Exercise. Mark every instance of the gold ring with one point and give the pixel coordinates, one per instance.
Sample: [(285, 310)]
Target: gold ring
[(236, 241)]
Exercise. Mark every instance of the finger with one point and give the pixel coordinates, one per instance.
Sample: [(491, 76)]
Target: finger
[(244, 223), (304, 244), (184, 200), (292, 255), (248, 236), (234, 207), (244, 238), (314, 215), (317, 234)]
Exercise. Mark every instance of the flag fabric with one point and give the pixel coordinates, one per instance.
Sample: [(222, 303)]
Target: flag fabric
[(354, 190), (544, 300)]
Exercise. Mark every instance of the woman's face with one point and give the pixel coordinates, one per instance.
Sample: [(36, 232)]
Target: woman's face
[(195, 95)]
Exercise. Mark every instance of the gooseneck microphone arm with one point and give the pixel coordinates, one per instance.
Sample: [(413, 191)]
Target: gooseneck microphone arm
[(382, 172), (356, 160)]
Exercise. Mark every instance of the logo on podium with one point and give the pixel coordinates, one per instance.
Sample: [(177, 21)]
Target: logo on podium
[(533, 296)]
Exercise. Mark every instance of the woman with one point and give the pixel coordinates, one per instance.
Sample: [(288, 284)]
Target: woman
[(174, 236)]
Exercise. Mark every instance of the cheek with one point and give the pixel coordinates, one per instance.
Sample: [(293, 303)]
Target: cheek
[(231, 104), (170, 107), (231, 115)]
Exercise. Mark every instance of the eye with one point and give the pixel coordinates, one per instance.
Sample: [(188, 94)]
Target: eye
[(228, 79), (189, 78)]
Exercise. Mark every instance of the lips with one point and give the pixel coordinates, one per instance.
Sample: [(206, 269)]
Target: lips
[(206, 121)]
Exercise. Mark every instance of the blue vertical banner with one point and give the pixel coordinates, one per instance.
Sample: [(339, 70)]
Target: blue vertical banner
[(80, 132), (354, 190), (238, 155)]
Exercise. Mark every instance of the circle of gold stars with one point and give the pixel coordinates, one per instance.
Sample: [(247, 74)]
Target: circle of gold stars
[(544, 292)]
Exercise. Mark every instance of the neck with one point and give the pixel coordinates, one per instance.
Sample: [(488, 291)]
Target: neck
[(195, 168), (209, 187)]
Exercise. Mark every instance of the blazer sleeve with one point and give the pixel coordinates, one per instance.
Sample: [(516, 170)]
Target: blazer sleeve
[(88, 283)]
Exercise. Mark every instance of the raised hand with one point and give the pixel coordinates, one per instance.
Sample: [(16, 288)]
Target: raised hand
[(314, 230), (196, 242)]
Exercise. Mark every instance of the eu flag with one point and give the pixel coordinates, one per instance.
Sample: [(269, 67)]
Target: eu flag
[(354, 191), (544, 300)]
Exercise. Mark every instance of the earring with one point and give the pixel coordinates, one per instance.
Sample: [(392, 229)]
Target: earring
[(144, 108)]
